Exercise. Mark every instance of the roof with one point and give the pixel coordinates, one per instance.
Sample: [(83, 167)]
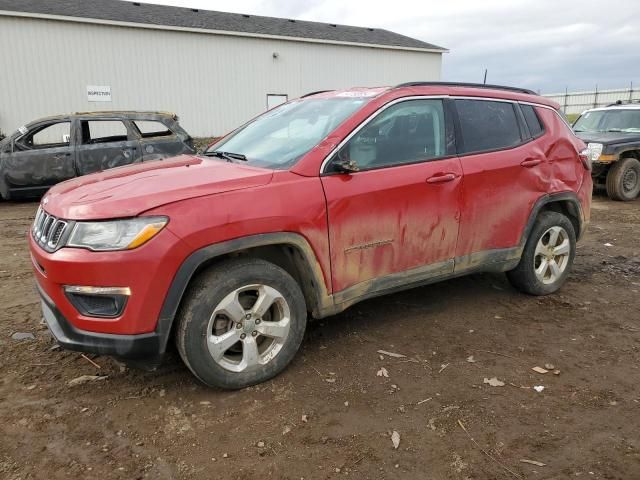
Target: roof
[(126, 114), (219, 22)]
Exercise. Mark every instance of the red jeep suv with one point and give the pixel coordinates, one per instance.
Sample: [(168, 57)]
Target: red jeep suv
[(305, 210)]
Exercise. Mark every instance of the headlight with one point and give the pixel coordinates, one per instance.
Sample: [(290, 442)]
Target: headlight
[(596, 151), (116, 234)]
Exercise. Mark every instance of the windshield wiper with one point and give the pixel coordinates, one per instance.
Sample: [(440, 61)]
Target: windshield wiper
[(228, 156), (614, 130)]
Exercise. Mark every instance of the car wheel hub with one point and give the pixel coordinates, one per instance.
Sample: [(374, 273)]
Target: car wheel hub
[(630, 180), (248, 328), (552, 255)]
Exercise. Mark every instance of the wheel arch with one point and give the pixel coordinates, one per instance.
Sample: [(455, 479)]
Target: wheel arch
[(566, 203), (288, 250)]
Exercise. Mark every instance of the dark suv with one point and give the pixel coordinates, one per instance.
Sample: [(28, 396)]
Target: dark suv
[(307, 209), (54, 149), (613, 136)]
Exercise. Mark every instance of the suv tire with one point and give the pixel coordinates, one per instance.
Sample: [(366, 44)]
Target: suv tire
[(623, 179), (547, 257), (241, 323)]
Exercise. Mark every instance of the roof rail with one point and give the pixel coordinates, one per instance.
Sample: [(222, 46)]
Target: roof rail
[(472, 85), (624, 102), (315, 93)]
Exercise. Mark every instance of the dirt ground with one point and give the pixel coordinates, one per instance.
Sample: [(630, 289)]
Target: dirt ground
[(332, 413)]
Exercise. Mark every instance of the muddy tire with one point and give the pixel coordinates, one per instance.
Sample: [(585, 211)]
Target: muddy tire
[(241, 323), (623, 180), (547, 257)]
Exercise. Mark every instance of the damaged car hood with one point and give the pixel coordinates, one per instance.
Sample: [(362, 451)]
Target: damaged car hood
[(129, 191)]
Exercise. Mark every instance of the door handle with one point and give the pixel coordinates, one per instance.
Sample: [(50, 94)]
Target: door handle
[(531, 162), (442, 178), (58, 156)]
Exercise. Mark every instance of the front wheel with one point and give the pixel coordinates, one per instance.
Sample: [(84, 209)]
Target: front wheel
[(242, 322), (623, 180), (547, 257)]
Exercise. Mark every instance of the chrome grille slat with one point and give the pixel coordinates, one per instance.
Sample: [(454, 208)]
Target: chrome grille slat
[(48, 230)]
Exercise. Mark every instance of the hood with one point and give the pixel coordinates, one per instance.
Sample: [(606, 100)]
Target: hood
[(129, 191), (608, 138)]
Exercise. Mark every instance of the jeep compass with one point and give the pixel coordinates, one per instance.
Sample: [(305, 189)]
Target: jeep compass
[(320, 203)]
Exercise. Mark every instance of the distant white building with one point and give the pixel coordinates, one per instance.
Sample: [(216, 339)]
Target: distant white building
[(214, 69)]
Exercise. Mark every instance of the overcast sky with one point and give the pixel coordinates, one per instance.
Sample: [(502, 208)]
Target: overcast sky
[(544, 45)]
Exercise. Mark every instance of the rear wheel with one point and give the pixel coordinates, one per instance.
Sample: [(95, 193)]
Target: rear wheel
[(547, 257), (242, 323), (623, 180)]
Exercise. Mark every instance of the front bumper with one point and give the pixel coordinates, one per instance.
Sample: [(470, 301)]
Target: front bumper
[(148, 346)]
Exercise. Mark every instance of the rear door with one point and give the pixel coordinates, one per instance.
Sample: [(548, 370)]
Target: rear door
[(42, 157), (105, 143), (159, 140), (505, 172), (400, 212)]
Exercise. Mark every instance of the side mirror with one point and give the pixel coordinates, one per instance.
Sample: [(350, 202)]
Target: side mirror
[(345, 166)]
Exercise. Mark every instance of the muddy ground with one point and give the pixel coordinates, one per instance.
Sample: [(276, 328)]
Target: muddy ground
[(330, 415)]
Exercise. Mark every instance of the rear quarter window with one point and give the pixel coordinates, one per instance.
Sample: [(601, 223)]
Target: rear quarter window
[(536, 128), (487, 125), (152, 128)]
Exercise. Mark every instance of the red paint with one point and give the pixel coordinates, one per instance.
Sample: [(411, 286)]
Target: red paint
[(360, 226), (397, 204)]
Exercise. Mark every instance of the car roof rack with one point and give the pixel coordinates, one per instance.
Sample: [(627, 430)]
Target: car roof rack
[(315, 93), (471, 85)]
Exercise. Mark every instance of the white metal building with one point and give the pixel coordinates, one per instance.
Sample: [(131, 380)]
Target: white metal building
[(214, 69)]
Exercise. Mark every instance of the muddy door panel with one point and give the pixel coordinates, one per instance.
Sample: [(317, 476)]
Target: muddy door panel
[(398, 215), (500, 186)]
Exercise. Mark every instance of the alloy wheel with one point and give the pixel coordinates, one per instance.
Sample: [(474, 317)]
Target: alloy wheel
[(552, 255), (248, 328)]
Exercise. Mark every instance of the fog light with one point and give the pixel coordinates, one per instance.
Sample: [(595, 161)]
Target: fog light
[(103, 302)]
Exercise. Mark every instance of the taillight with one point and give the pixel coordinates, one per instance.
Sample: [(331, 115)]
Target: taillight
[(585, 158)]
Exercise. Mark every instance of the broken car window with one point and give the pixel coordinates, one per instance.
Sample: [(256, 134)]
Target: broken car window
[(49, 136), (103, 131)]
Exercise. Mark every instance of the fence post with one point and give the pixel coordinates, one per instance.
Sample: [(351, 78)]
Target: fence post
[(631, 92), (595, 98)]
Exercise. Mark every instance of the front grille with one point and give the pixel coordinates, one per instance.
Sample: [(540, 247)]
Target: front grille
[(48, 230)]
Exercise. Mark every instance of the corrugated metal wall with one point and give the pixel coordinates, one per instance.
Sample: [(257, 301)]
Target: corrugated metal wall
[(578, 102), (213, 82)]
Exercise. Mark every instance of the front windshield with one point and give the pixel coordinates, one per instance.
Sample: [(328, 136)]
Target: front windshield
[(280, 137), (616, 120)]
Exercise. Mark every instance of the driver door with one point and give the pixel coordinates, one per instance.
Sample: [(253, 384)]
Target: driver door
[(396, 219), (41, 158)]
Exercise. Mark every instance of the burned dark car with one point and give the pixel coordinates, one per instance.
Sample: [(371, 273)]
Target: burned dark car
[(54, 149)]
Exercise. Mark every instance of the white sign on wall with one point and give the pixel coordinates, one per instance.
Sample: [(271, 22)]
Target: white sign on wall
[(97, 93)]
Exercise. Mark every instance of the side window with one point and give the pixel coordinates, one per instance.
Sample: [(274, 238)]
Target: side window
[(408, 132), (533, 122), (487, 125), (103, 131), (51, 136), (152, 128)]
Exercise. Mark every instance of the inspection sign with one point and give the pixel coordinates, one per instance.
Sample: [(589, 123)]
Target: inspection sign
[(97, 93)]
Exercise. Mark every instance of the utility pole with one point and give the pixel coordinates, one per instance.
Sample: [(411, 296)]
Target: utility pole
[(484, 82)]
